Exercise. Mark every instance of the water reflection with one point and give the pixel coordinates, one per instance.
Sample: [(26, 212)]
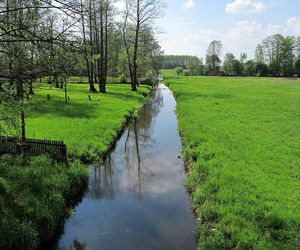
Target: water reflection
[(137, 198), (78, 245)]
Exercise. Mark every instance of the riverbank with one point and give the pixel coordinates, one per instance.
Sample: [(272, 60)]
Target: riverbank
[(35, 197), (37, 194), (241, 141), (137, 197), (89, 128)]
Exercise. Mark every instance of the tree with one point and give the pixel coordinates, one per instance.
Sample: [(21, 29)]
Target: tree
[(87, 47), (138, 16), (262, 69), (179, 70), (228, 64), (26, 39), (259, 54), (273, 51), (297, 67), (232, 66), (194, 65), (250, 68), (288, 56), (213, 54), (243, 59), (298, 47)]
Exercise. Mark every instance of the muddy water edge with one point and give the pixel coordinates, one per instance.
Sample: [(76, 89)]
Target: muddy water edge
[(137, 199)]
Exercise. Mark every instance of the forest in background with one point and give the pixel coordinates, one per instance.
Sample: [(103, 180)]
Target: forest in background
[(276, 56)]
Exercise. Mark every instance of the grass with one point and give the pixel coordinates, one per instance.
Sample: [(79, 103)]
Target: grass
[(87, 127), (35, 196), (241, 140)]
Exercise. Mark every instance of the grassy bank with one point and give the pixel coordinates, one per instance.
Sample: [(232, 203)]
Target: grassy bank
[(35, 196), (36, 193), (242, 141), (87, 127)]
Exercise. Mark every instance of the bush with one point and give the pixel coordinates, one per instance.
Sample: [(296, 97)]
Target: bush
[(179, 70), (149, 79), (122, 78), (186, 72)]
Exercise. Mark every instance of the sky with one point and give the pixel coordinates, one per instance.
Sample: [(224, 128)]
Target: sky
[(188, 26)]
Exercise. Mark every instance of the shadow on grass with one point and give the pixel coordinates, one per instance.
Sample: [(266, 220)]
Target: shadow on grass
[(72, 109), (126, 96)]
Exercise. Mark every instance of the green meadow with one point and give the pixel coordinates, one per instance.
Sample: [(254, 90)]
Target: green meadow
[(87, 127), (241, 139), (36, 193)]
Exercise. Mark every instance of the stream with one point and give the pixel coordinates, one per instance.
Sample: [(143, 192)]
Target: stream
[(137, 198)]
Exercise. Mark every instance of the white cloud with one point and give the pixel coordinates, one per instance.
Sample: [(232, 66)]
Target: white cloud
[(275, 29), (294, 24), (245, 6), (189, 4), (119, 5), (242, 37), (245, 28)]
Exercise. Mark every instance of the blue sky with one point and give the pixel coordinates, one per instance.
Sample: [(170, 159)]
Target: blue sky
[(189, 25)]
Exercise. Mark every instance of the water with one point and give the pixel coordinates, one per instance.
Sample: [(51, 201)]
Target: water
[(137, 198)]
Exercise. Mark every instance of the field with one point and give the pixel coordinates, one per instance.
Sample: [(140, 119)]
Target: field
[(241, 141), (36, 193), (87, 127)]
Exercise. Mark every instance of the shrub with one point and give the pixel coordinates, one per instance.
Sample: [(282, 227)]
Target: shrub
[(179, 70), (186, 72)]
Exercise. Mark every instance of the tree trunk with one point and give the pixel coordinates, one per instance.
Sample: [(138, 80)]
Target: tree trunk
[(92, 87), (135, 55), (66, 93), (56, 81), (61, 82), (127, 48), (106, 47), (31, 87), (20, 96), (102, 82)]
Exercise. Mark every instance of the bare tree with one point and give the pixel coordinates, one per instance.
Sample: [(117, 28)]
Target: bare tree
[(137, 15)]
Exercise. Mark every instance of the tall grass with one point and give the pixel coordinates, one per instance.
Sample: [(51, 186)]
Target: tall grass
[(242, 141), (35, 193)]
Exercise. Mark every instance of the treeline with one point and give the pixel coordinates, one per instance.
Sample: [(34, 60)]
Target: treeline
[(172, 61), (276, 56)]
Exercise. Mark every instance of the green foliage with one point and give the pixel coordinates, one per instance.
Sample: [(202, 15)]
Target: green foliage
[(173, 61), (34, 197), (87, 127), (297, 67), (179, 70), (241, 137), (250, 68), (231, 66), (213, 55), (187, 72)]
